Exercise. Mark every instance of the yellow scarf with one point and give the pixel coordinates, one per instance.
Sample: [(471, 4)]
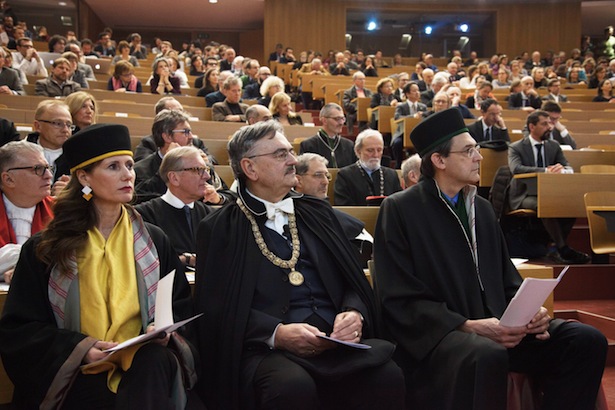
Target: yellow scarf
[(109, 300)]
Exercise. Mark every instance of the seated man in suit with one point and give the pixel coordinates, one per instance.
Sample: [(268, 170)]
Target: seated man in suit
[(444, 278), (438, 83), (10, 82), (180, 209), (313, 178), (554, 86), (230, 110), (339, 67), (410, 171), (559, 132), (539, 153), (491, 126), (411, 107), (315, 67), (57, 84), (483, 91), (328, 142), (218, 96), (454, 93), (25, 206), (170, 130), (288, 275), (253, 91), (527, 99), (358, 90), (366, 177), (402, 80)]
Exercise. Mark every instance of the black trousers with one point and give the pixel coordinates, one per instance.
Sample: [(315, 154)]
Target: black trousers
[(146, 385), (467, 371), (280, 383)]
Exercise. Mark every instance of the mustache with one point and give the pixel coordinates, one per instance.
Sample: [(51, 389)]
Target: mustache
[(290, 170)]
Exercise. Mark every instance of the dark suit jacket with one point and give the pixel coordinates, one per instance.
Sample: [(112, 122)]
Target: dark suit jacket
[(225, 65), (222, 109), (427, 97), (61, 162), (10, 78), (521, 161), (344, 154), (215, 97), (515, 101), (349, 95), (8, 132), (148, 184), (403, 109), (557, 136), (549, 97), (147, 147), (476, 131)]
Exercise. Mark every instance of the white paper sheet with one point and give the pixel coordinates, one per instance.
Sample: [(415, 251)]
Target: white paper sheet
[(349, 344), (529, 298)]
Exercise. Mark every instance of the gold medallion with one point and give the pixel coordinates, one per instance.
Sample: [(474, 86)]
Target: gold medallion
[(295, 277)]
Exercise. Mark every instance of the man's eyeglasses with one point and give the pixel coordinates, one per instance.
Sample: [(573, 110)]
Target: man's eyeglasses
[(321, 175), (338, 119), (185, 131), (39, 170), (201, 171), (469, 152), (279, 154), (59, 124)]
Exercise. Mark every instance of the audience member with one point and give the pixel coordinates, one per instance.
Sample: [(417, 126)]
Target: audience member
[(539, 153), (281, 110), (210, 82), (436, 85), (218, 96), (483, 91), (230, 110), (349, 100), (554, 87), (10, 82), (137, 49), (57, 44), (123, 54), (328, 142), (491, 126), (605, 92), (412, 107), (257, 347), (104, 48), (257, 113), (454, 94), (410, 171), (443, 272), (27, 60), (367, 177), (25, 181), (180, 209), (57, 84), (227, 63), (527, 99), (339, 66), (250, 72), (124, 79), (384, 94), (599, 74), (271, 86), (253, 90), (76, 75), (162, 81)]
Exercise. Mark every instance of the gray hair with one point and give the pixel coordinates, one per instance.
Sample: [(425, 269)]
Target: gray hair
[(164, 122), (232, 81), (14, 149), (358, 144), (410, 164), (270, 82), (244, 139), (328, 109), (174, 160), (304, 161), (162, 103)]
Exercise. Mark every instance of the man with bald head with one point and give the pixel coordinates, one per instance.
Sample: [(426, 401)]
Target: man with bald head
[(349, 100), (257, 113)]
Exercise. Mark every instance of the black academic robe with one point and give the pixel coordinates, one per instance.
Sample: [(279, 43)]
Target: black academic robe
[(344, 152), (426, 279), (352, 186), (33, 349), (61, 162), (227, 279), (174, 223), (148, 183)]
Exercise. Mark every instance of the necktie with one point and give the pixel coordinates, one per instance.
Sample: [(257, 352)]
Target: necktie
[(414, 109), (539, 161), (188, 218), (276, 213), (488, 134)]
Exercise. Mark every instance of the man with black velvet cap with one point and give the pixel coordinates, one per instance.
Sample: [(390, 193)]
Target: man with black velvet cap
[(444, 278)]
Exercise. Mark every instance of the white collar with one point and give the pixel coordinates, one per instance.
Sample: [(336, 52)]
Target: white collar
[(174, 201)]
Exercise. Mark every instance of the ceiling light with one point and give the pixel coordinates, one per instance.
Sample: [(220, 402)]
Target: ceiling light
[(428, 30), (62, 3), (213, 1)]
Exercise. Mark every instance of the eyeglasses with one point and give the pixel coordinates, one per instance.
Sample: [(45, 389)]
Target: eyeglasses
[(338, 119), (320, 175), (59, 124), (39, 170), (201, 171), (185, 131), (279, 154), (469, 152)]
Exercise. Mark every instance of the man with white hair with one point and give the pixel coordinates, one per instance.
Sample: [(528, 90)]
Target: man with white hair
[(339, 67), (252, 90), (366, 177), (410, 171), (227, 63), (527, 99), (438, 83), (349, 100)]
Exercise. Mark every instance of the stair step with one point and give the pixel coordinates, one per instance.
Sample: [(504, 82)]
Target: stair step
[(603, 323)]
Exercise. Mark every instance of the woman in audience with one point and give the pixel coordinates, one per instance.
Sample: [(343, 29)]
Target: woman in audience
[(271, 86), (418, 70), (87, 282), (503, 79), (574, 76), (161, 80), (599, 75), (123, 54), (516, 70), (124, 79), (368, 67), (483, 69), (469, 81), (196, 65), (397, 60), (281, 110), (605, 92), (177, 70), (210, 82), (589, 65), (82, 107), (538, 74), (384, 94)]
